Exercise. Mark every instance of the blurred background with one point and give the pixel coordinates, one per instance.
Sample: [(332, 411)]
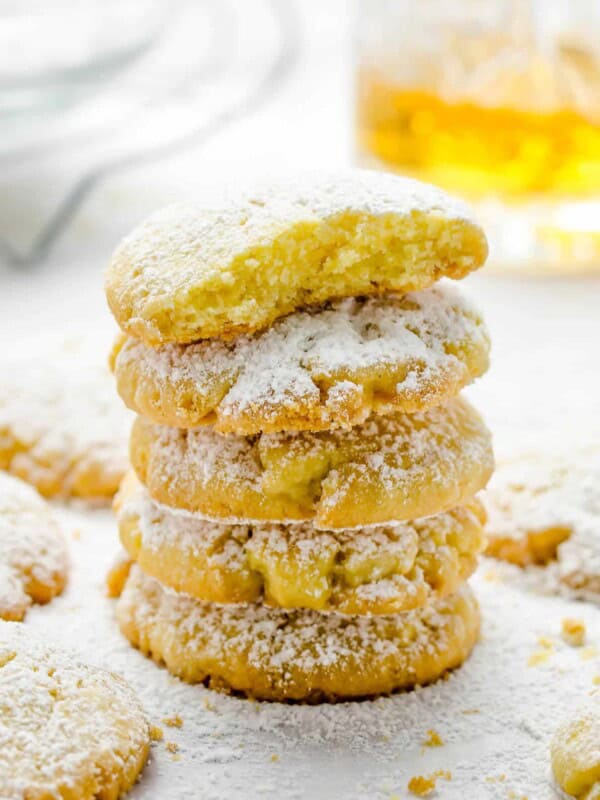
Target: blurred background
[(111, 109)]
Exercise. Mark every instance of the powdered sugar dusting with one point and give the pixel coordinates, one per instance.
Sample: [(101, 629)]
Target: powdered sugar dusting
[(553, 490), (379, 569), (61, 428), (33, 552), (64, 727), (319, 368)]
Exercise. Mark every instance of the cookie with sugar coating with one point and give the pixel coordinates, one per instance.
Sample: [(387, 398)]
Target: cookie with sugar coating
[(318, 369), (575, 751), (272, 654), (544, 510), (390, 468), (34, 562), (67, 730), (62, 429), (379, 570), (192, 271)]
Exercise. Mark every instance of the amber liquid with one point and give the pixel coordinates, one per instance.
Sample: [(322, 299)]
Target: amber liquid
[(475, 150)]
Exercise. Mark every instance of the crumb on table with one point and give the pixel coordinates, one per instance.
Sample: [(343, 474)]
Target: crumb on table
[(433, 739), (156, 733), (423, 786), (573, 631), (173, 722)]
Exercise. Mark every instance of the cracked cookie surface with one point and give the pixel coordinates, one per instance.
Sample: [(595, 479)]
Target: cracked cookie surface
[(318, 369), (273, 654), (381, 570), (34, 561), (392, 468), (67, 730)]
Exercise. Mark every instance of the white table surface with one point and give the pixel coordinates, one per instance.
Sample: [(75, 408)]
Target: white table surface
[(544, 385)]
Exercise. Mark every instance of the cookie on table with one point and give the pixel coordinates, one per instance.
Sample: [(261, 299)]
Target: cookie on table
[(273, 654), (544, 509), (67, 730), (390, 468), (322, 368), (62, 429), (575, 751), (381, 570), (34, 562), (197, 271)]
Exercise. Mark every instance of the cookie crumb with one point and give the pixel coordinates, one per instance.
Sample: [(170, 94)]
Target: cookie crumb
[(173, 722), (588, 653), (423, 786), (573, 632), (596, 680), (156, 733), (76, 535), (207, 704), (172, 747), (274, 757), (117, 575), (433, 739), (539, 657)]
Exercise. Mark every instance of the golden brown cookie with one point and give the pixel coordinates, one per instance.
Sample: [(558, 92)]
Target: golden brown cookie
[(382, 570), (62, 429), (34, 562), (323, 368), (575, 751), (271, 654), (67, 730), (192, 272), (544, 509), (390, 468)]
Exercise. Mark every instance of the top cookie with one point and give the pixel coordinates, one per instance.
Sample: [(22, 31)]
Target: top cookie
[(192, 272)]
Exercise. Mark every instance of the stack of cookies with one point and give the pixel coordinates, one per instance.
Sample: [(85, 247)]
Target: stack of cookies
[(303, 512)]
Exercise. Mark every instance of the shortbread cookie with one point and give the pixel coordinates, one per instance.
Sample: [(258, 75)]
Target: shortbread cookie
[(390, 468), (324, 368), (545, 507), (382, 570), (33, 552), (272, 654), (192, 272), (67, 731), (62, 429), (575, 752)]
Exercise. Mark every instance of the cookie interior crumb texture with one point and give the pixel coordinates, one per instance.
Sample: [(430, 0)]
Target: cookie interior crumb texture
[(192, 272)]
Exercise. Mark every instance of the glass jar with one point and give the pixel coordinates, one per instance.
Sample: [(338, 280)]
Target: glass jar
[(496, 100)]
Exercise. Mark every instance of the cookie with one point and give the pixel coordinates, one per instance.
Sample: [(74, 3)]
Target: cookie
[(33, 553), (381, 570), (62, 429), (575, 752), (544, 509), (319, 369), (193, 272), (272, 654), (390, 468), (67, 730)]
